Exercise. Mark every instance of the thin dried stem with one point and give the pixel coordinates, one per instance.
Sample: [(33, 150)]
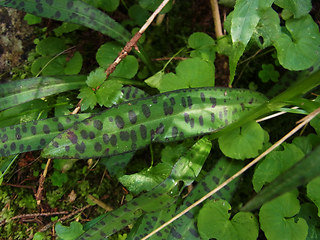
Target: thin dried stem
[(216, 18), (302, 122)]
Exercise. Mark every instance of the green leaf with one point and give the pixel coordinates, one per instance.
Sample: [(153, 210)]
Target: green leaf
[(155, 80), (267, 29), (277, 218), (213, 222), (290, 179), (138, 14), (244, 142), (196, 72), (301, 49), (298, 8), (76, 12), (109, 93), (106, 55), (66, 27), (32, 19), (96, 78), (274, 164), (186, 224), (268, 73), (245, 18), (236, 52), (170, 116), (74, 65), (89, 98), (69, 233), (169, 82), (109, 5), (21, 91), (313, 192), (152, 5), (49, 66), (199, 39), (50, 46), (309, 213)]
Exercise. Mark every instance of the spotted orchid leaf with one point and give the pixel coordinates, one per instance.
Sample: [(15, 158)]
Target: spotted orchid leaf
[(35, 135), (166, 117), (17, 92), (185, 227), (161, 197), (73, 11)]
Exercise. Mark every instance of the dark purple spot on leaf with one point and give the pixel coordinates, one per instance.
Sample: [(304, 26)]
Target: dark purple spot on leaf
[(113, 140), (124, 135), (21, 147), (92, 135), (43, 142), (106, 138), (213, 101), (146, 110), (183, 102), (98, 124), (72, 137), (202, 96), (97, 147), (13, 146), (132, 116), (212, 117), (60, 127), (84, 134), (189, 102), (119, 122), (133, 136), (81, 148), (46, 129), (201, 120), (143, 131)]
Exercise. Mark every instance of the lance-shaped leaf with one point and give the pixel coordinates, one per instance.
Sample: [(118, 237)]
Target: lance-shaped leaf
[(158, 199), (290, 179), (34, 135), (170, 116), (17, 92), (73, 11), (185, 227)]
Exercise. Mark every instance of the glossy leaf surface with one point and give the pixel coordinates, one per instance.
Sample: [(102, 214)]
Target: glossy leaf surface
[(166, 117), (17, 92)]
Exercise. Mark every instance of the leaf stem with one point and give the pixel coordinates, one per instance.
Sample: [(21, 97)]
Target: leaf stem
[(216, 18)]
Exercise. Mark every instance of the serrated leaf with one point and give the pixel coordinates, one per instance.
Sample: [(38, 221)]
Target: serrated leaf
[(96, 78), (277, 218), (213, 222), (69, 233), (274, 164), (298, 8), (109, 93), (244, 142), (313, 192), (301, 49), (74, 65), (89, 98)]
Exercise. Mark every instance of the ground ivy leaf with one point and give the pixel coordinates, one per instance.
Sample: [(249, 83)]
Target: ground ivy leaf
[(196, 72), (274, 164), (313, 192), (89, 98), (302, 49), (200, 39), (74, 65), (213, 222), (127, 68), (50, 46), (138, 14), (277, 218), (244, 142), (155, 80), (96, 78), (69, 233), (109, 93), (268, 73), (170, 82), (298, 8)]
